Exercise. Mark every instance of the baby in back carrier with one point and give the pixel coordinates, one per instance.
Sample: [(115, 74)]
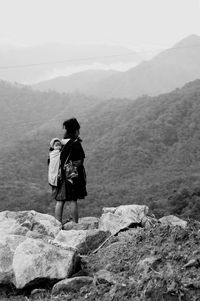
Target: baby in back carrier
[(54, 161)]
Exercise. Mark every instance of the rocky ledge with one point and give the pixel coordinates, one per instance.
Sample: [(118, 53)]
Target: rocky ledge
[(125, 254)]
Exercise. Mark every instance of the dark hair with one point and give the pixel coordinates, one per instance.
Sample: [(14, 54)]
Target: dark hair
[(71, 125)]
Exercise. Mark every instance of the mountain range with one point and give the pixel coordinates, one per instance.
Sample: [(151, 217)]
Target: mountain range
[(81, 82), (137, 151), (168, 70)]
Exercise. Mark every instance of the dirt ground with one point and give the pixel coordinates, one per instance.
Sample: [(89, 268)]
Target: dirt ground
[(162, 263)]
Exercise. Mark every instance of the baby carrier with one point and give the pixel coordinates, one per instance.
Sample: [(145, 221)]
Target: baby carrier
[(54, 173)]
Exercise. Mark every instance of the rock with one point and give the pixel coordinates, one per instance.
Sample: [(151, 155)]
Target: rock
[(71, 285), (109, 209), (8, 245), (90, 222), (32, 234), (148, 222), (84, 223), (172, 220), (72, 226), (34, 259), (23, 222), (119, 218), (134, 212), (24, 260), (113, 223), (82, 240)]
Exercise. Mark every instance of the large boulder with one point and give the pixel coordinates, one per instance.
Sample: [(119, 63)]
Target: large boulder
[(115, 219), (25, 260), (83, 241), (8, 245), (24, 222)]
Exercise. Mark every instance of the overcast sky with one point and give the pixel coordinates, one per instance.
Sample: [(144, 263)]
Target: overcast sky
[(145, 24)]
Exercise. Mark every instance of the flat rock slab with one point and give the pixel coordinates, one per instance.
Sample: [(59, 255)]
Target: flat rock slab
[(83, 241), (23, 222), (25, 260), (71, 285)]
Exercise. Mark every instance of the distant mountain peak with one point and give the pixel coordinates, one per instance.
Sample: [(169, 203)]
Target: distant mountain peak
[(191, 40)]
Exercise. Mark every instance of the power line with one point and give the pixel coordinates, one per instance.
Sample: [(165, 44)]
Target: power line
[(90, 58), (64, 61)]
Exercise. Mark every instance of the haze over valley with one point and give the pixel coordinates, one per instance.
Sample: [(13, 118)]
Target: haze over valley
[(31, 64), (168, 70)]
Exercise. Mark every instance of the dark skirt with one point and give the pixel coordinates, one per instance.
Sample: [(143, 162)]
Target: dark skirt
[(66, 191)]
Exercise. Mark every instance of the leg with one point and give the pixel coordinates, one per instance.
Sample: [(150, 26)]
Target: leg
[(59, 210), (74, 209)]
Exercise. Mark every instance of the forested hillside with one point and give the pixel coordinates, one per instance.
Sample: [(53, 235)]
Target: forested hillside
[(23, 111), (137, 152), (148, 148)]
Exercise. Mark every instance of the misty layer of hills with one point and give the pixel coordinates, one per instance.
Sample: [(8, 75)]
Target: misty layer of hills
[(136, 151), (36, 63), (168, 70), (83, 82)]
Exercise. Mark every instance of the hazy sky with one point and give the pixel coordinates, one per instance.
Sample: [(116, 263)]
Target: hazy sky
[(147, 26), (142, 23)]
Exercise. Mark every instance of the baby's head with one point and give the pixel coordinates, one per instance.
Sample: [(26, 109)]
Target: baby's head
[(55, 144)]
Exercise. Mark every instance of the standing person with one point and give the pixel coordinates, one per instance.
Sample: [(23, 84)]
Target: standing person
[(71, 191)]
